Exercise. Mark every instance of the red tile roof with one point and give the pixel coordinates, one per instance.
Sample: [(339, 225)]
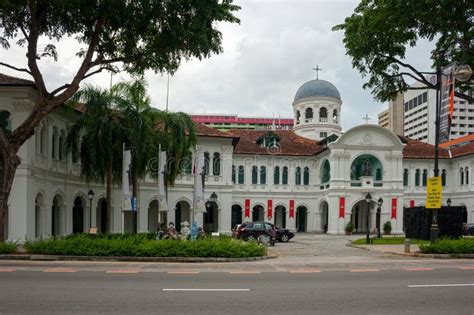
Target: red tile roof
[(205, 131), (290, 143), (415, 149), (6, 80), (460, 140), (463, 150)]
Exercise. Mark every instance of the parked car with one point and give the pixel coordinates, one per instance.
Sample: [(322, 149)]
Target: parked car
[(469, 229), (252, 230), (283, 235)]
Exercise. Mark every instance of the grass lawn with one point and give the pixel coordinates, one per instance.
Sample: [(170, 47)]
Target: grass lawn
[(389, 241)]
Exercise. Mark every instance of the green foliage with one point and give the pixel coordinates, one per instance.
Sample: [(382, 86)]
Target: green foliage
[(349, 227), (449, 246), (378, 33), (387, 227), (388, 241), (7, 248), (143, 245)]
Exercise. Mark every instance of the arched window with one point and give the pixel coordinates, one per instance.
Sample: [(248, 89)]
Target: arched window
[(43, 141), (417, 177), (325, 172), (308, 114), (366, 165), (461, 174), (323, 114), (298, 176), (406, 175), (443, 177), (206, 162), (241, 174), (335, 116), (298, 116), (254, 174), (306, 176), (284, 176), (55, 140), (276, 175), (263, 175), (216, 164), (425, 177), (62, 145), (5, 121), (467, 175), (233, 174)]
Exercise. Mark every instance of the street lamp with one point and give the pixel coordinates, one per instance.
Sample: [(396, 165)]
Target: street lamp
[(90, 195), (379, 210), (448, 202), (213, 197), (368, 199)]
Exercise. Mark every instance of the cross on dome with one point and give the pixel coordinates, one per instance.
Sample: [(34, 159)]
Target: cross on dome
[(317, 69)]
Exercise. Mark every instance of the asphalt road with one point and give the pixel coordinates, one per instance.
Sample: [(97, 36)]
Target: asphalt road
[(332, 292)]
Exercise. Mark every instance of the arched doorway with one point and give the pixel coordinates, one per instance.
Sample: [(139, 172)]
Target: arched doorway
[(280, 216), (323, 208), (40, 216), (464, 214), (359, 216), (258, 213), (236, 216), (183, 213), (301, 218), (211, 218), (57, 216), (78, 216), (102, 217), (153, 216)]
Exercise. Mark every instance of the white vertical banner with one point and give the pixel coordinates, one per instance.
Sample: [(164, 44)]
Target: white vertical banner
[(199, 163), (162, 202), (126, 161)]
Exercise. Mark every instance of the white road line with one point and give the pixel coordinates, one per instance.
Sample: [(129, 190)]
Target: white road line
[(441, 285), (208, 290)]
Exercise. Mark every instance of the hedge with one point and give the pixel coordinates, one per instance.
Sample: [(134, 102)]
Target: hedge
[(7, 248), (449, 246), (144, 245)]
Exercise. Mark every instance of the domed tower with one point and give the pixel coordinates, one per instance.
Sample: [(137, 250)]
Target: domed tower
[(317, 110)]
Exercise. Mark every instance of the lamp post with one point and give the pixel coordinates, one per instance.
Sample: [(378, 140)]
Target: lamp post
[(368, 199), (448, 202), (462, 73), (379, 210), (90, 195)]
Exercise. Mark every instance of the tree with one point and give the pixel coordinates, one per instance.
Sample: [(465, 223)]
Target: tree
[(132, 36), (378, 33), (97, 137)]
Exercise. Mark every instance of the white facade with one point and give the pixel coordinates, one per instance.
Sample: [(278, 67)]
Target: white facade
[(49, 197)]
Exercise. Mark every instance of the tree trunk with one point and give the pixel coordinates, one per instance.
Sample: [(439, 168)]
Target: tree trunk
[(9, 162), (109, 194)]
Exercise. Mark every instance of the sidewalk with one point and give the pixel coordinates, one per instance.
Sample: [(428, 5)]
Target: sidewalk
[(392, 249)]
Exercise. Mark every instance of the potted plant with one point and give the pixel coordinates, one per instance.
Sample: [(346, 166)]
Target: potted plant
[(349, 228), (387, 228)]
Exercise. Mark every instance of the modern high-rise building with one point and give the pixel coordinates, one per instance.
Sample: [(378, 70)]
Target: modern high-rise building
[(227, 122), (392, 118)]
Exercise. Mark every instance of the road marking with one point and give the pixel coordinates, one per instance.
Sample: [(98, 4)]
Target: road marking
[(441, 285), (364, 270), (183, 272), (305, 271), (68, 270), (206, 290), (467, 268), (418, 269), (123, 271), (243, 272), (7, 270)]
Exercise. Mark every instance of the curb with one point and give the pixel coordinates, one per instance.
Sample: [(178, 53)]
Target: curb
[(438, 256), (128, 258)]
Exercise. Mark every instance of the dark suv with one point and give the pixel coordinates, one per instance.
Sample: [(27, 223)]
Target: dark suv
[(252, 230)]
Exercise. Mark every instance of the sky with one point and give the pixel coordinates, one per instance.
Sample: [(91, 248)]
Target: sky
[(265, 59)]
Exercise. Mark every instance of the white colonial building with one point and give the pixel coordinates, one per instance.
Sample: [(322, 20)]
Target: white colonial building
[(312, 179)]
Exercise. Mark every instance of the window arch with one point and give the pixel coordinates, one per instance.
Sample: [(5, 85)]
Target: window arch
[(5, 121), (306, 176), (206, 162), (43, 140), (406, 175), (276, 175), (263, 175), (417, 177), (233, 174), (298, 116), (298, 176), (55, 144), (461, 173), (284, 176), (308, 113), (425, 177), (241, 174), (62, 145), (466, 170), (216, 164), (335, 116), (254, 174), (366, 165), (443, 177), (325, 172), (323, 114)]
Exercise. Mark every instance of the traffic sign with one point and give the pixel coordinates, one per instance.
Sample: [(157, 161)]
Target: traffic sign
[(434, 193)]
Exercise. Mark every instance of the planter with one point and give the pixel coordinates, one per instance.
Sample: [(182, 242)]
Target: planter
[(348, 232)]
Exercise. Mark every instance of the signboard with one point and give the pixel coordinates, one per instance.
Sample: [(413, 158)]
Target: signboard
[(247, 208), (434, 193), (447, 103), (342, 206), (269, 208), (292, 208), (394, 208)]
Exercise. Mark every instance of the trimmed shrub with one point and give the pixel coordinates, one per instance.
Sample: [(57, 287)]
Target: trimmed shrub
[(449, 246), (144, 245), (7, 248)]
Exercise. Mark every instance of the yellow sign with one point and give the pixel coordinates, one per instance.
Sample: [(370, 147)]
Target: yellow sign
[(434, 193)]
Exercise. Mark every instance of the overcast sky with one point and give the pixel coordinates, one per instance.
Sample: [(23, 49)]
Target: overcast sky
[(265, 59)]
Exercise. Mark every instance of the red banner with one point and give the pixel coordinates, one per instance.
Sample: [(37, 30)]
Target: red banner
[(270, 207), (394, 208), (342, 206), (292, 208), (247, 208), (412, 203)]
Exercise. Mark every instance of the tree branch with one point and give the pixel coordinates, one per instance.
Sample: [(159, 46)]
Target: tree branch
[(15, 68), (421, 77)]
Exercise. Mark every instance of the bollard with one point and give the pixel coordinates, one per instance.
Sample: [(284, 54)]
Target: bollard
[(407, 245)]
